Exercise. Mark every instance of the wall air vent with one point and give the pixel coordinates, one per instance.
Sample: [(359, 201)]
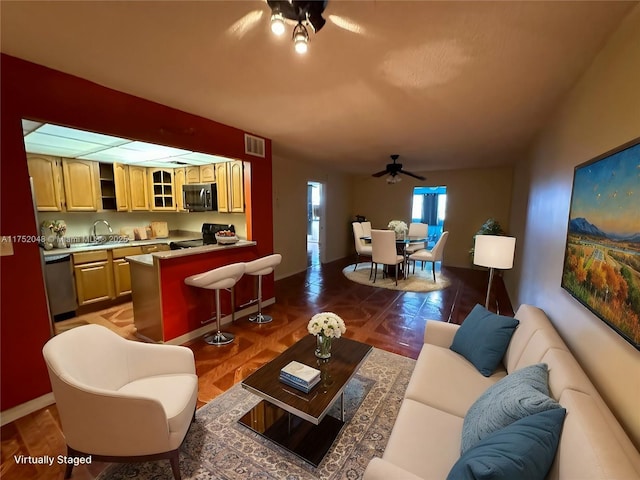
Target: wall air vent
[(253, 145)]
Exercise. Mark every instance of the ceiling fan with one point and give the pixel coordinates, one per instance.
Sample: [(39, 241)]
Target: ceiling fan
[(393, 169), (308, 12)]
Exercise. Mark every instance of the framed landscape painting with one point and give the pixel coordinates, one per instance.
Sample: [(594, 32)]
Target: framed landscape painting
[(602, 255)]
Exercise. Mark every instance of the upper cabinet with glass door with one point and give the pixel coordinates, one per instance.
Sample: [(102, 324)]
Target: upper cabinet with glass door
[(161, 193)]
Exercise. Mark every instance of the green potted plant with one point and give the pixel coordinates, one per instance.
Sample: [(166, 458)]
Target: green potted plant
[(490, 227)]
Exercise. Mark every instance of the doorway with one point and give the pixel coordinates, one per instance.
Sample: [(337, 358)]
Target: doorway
[(429, 206), (314, 223)]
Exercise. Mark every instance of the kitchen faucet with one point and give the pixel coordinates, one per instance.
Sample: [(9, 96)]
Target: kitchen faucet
[(95, 236)]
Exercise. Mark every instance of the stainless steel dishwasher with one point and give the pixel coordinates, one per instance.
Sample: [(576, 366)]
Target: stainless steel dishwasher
[(61, 288)]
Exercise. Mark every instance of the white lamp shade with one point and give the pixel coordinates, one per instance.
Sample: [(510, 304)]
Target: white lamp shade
[(494, 251)]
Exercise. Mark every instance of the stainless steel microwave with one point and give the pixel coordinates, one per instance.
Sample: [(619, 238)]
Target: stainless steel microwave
[(200, 197)]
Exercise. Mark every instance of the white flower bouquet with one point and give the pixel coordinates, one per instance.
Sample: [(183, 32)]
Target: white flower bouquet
[(56, 226), (398, 226), (327, 324)]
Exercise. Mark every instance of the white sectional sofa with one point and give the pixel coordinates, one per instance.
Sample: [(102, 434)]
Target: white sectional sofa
[(426, 438)]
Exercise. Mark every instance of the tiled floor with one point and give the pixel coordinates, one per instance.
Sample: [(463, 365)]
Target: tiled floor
[(387, 319)]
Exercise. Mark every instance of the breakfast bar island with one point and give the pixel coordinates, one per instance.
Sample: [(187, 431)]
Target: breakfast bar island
[(167, 310)]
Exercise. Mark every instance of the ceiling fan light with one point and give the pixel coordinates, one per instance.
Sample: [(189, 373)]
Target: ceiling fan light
[(300, 39), (391, 179), (277, 23)]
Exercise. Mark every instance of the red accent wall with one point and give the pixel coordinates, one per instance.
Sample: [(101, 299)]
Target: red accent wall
[(38, 93)]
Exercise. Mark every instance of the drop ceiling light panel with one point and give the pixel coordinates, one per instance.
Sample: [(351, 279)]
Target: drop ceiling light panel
[(49, 139)]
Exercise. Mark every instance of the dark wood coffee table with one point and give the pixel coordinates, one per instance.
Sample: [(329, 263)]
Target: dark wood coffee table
[(296, 420)]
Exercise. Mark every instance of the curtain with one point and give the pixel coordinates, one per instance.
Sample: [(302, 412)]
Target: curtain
[(430, 208)]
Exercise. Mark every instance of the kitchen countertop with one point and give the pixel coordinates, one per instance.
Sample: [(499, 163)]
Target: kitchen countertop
[(88, 247), (147, 259)]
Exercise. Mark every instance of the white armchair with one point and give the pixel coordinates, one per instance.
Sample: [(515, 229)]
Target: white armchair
[(121, 400)]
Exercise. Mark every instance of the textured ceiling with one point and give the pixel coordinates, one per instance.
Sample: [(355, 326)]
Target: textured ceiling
[(444, 84)]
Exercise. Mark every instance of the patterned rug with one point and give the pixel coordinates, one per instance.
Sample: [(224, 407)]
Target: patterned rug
[(420, 281), (217, 447)]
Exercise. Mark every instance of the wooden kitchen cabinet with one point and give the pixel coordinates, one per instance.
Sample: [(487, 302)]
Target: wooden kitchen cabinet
[(230, 181), (156, 247), (47, 182), (192, 174), (81, 189), (121, 269), (94, 277), (223, 187), (121, 184), (236, 186), (179, 179), (161, 189), (207, 173), (138, 188)]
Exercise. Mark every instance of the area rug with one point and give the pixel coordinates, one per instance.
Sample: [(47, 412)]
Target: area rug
[(217, 447), (421, 281)]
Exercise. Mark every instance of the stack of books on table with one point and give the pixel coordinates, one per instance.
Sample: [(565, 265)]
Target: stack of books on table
[(300, 376)]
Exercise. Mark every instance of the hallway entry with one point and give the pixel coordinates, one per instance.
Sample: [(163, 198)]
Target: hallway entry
[(314, 223)]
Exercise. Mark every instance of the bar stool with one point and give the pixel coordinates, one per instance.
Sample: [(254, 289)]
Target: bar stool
[(262, 266), (218, 278)]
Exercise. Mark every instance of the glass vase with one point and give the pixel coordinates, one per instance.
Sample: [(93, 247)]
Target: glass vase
[(60, 242), (323, 346)]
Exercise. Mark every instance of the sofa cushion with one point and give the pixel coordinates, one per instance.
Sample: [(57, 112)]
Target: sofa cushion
[(524, 450), (483, 338), (424, 440), (522, 393), (437, 370)]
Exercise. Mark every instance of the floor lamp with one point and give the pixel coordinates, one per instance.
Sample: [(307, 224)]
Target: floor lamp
[(493, 251)]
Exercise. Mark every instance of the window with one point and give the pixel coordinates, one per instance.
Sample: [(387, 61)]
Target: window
[(429, 206)]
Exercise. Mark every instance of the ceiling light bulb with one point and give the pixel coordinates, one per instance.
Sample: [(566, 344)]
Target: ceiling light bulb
[(301, 46), (277, 23), (300, 38)]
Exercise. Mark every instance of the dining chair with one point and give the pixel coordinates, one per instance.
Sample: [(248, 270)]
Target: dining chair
[(366, 228), (383, 243), (362, 248), (121, 400), (418, 231), (434, 255)]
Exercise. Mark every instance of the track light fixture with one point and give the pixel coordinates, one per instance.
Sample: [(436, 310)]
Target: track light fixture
[(304, 13)]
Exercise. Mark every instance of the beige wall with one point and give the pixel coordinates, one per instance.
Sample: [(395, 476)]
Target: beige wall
[(601, 113), (290, 179), (473, 196)]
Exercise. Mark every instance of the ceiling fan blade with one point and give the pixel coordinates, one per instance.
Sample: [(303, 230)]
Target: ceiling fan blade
[(379, 174), (419, 177)]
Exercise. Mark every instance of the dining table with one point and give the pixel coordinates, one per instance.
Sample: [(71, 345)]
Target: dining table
[(401, 248)]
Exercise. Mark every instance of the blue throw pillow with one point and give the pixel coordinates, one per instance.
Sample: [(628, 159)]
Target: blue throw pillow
[(523, 450), (519, 394), (483, 338)]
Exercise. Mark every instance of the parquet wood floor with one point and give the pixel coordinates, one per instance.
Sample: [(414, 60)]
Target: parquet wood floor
[(387, 319)]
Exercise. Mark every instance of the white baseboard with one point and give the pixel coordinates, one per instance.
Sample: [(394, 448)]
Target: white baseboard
[(26, 408)]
